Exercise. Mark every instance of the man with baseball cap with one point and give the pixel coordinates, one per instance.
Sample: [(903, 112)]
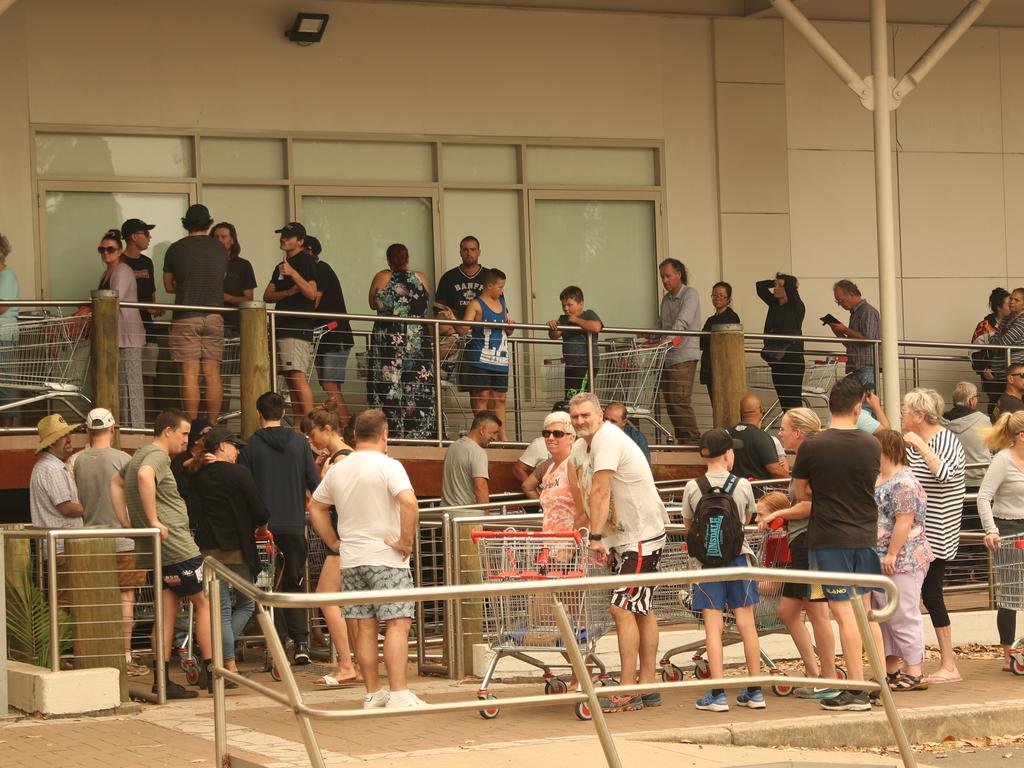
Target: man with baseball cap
[(335, 346), (92, 469), (136, 240), (194, 269), (293, 288)]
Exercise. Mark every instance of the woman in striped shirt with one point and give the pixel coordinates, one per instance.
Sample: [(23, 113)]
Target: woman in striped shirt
[(936, 458)]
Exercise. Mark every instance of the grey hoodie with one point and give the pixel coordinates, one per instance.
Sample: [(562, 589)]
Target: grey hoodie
[(967, 424)]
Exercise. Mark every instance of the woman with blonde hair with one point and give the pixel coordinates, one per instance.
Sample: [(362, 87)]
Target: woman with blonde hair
[(560, 495), (797, 425), (937, 459), (325, 436), (1001, 503)]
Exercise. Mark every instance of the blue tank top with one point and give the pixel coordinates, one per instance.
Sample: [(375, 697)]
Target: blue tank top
[(488, 347)]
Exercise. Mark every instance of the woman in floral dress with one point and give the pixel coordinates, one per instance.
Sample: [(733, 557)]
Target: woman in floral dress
[(401, 357)]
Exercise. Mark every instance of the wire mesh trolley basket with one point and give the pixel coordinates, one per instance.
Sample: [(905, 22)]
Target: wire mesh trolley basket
[(1008, 578)]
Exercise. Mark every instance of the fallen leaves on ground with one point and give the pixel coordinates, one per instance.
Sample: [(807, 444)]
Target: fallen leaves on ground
[(938, 749)]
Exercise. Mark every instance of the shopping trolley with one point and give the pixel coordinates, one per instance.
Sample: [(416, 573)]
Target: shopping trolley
[(1008, 577), (817, 383), (522, 626), (47, 359), (767, 551), (630, 373)]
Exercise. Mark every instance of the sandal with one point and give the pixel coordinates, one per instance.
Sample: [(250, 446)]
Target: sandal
[(908, 683)]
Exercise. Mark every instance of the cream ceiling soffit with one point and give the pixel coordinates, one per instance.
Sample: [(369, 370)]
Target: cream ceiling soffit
[(5, 4)]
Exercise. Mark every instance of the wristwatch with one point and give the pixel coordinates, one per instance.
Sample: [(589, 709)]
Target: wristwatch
[(596, 537)]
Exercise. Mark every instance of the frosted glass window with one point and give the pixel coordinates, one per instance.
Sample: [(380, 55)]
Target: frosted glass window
[(480, 163), (94, 155), (493, 218), (75, 222), (607, 248), (356, 231), (362, 161), (243, 158), (590, 165), (256, 212)]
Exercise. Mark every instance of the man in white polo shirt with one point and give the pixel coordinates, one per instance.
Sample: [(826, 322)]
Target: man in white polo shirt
[(627, 520), (377, 518)]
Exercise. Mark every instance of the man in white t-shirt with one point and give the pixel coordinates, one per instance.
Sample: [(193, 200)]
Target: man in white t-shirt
[(377, 518), (627, 520)]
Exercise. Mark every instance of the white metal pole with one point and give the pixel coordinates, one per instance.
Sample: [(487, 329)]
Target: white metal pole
[(5, 4), (889, 305), (823, 47)]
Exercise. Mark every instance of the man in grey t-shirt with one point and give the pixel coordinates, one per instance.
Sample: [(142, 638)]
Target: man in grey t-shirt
[(465, 475), (194, 269)]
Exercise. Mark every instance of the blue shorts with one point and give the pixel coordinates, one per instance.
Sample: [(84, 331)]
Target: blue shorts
[(725, 595), (863, 560), (330, 366), (184, 579), (482, 380)]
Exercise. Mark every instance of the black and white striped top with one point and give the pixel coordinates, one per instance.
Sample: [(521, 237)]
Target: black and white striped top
[(945, 492)]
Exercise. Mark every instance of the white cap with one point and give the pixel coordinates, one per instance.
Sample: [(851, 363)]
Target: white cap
[(99, 418)]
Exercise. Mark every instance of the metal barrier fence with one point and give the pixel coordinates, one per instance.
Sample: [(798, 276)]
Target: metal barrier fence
[(304, 713), (625, 369), (81, 578)]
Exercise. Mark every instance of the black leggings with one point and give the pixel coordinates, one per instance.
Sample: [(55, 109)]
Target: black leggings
[(788, 380), (1006, 623), (931, 594), (292, 575)]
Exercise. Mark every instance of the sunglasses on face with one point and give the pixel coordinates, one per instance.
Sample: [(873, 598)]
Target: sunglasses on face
[(553, 433), (106, 249)]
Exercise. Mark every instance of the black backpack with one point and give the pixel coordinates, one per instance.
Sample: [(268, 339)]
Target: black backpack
[(715, 535)]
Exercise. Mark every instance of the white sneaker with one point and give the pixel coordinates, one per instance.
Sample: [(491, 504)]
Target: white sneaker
[(376, 700), (404, 699)]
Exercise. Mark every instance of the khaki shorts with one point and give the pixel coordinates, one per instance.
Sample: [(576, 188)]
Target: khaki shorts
[(150, 356), (128, 577), (197, 338), (293, 355)]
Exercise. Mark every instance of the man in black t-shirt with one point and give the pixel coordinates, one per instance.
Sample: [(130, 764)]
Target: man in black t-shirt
[(836, 471), (292, 288), (758, 459), (194, 270), (239, 280), (459, 286), (335, 345), (1011, 400), (136, 240)]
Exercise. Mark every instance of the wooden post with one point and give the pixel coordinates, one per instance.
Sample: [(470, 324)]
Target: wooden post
[(254, 361), (106, 355), (97, 626), (728, 373), (471, 631)]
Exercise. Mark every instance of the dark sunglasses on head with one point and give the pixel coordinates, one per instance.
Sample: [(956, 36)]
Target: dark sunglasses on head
[(106, 249), (553, 433)]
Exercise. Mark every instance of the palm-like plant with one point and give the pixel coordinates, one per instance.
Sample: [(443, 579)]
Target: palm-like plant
[(28, 622)]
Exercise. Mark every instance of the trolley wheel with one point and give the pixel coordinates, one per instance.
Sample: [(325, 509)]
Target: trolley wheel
[(841, 673), (491, 713), (275, 673), (1017, 662), (780, 690), (192, 674), (185, 661), (268, 662), (555, 685), (701, 670), (670, 673), (583, 711)]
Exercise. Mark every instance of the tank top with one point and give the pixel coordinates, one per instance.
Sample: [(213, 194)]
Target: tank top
[(488, 347), (556, 498)]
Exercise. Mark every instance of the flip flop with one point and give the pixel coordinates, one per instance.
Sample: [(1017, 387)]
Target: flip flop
[(940, 679), (328, 681)]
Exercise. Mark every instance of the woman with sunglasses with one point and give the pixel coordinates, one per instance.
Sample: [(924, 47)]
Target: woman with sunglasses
[(560, 496), (119, 277)]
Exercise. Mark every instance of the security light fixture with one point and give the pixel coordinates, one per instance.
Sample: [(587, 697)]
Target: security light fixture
[(308, 28)]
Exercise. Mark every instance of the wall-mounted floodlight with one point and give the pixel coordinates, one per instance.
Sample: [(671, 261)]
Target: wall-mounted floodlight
[(308, 28)]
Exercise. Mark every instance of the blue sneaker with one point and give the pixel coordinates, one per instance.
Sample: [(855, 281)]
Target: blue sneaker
[(752, 699), (712, 702), (651, 699)]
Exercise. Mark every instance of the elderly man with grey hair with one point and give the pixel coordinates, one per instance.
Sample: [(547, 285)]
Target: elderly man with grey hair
[(865, 323), (9, 291), (966, 422)]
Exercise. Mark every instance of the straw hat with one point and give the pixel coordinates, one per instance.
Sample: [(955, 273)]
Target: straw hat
[(51, 429)]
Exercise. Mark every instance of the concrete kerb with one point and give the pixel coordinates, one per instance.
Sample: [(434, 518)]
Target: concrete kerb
[(862, 731)]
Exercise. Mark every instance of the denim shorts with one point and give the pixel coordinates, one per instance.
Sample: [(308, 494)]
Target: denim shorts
[(330, 366), (726, 595), (862, 560)]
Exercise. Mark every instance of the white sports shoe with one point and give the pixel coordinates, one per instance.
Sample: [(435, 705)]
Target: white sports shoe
[(376, 700), (404, 699)]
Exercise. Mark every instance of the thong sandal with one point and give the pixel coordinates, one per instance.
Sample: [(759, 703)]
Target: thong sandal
[(942, 679), (908, 683), (328, 681)]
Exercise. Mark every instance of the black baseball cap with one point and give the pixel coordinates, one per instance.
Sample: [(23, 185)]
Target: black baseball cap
[(292, 229), (132, 226), (220, 434), (313, 245), (716, 442)]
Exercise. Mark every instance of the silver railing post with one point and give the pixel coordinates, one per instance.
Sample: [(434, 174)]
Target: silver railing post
[(220, 730), (159, 651), (51, 577), (273, 351), (591, 386), (517, 414), (438, 405), (3, 623), (877, 665)]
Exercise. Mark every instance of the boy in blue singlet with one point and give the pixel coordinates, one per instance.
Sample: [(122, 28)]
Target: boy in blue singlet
[(486, 353)]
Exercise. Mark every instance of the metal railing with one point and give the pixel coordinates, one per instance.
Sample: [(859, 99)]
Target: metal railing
[(304, 713)]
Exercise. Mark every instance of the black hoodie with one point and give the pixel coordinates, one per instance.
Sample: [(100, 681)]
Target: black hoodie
[(282, 464), (785, 319)]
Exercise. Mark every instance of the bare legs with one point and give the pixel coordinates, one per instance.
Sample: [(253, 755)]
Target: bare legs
[(190, 388), (489, 400), (791, 614), (302, 394), (396, 652), (638, 640), (330, 581)]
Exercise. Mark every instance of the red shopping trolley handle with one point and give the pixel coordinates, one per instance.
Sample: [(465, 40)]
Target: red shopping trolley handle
[(837, 358), (267, 537), (568, 535), (676, 341), (1019, 543)]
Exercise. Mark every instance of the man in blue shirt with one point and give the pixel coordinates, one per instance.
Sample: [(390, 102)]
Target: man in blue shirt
[(615, 412)]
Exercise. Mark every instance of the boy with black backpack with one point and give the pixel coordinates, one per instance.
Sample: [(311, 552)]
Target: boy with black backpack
[(716, 506)]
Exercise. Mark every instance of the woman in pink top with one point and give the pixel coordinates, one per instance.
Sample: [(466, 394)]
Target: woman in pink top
[(560, 496)]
